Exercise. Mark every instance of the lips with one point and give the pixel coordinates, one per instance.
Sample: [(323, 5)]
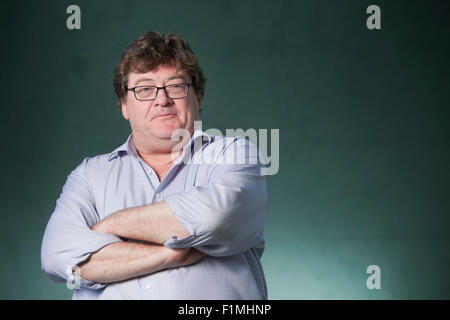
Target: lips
[(164, 116)]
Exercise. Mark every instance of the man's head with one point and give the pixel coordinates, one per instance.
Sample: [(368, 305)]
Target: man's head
[(158, 60)]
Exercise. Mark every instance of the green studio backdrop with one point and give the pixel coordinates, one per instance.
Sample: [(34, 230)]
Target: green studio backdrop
[(362, 116)]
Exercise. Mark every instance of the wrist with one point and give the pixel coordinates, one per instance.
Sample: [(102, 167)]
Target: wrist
[(172, 257), (169, 261)]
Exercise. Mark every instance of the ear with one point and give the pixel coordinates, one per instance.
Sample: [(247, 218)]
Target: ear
[(124, 110)]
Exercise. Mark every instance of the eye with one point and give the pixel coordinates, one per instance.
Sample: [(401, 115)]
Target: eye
[(145, 89)]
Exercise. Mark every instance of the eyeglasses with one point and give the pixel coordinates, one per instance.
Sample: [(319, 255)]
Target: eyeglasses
[(173, 91)]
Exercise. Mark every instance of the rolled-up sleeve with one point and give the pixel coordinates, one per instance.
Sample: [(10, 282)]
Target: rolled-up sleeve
[(68, 239), (226, 216)]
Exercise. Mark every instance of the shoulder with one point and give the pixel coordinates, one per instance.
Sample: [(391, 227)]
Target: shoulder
[(101, 161), (233, 148), (93, 166)]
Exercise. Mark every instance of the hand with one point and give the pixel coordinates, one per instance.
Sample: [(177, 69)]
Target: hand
[(182, 257)]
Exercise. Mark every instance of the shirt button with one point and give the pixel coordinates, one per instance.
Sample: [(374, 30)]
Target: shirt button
[(158, 196), (148, 286)]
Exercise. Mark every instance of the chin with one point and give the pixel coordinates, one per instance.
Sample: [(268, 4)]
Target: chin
[(164, 133)]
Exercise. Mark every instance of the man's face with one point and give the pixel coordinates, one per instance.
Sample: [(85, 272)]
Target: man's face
[(160, 117)]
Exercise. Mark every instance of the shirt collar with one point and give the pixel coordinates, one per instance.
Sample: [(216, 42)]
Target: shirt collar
[(130, 149)]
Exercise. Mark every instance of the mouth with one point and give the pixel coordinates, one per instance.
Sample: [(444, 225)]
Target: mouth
[(164, 116)]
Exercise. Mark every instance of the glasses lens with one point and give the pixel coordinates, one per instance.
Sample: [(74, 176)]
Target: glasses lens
[(145, 92), (177, 91)]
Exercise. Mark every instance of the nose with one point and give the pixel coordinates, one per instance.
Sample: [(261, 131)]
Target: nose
[(162, 99)]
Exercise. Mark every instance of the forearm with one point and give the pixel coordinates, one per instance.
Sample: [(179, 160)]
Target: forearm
[(124, 260), (152, 223)]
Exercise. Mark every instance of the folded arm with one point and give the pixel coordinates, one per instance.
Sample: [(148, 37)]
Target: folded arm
[(68, 240), (123, 260), (221, 218), (154, 223), (69, 243)]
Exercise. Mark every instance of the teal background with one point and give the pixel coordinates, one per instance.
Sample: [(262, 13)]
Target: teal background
[(363, 118)]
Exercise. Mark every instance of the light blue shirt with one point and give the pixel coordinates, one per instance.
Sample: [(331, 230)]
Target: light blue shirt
[(221, 203)]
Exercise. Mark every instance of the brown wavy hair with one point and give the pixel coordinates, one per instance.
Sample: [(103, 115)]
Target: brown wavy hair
[(151, 50)]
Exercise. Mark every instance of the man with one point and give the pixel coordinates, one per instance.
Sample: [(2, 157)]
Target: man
[(153, 219)]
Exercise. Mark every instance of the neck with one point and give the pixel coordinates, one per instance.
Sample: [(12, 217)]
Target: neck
[(158, 152), (159, 160)]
